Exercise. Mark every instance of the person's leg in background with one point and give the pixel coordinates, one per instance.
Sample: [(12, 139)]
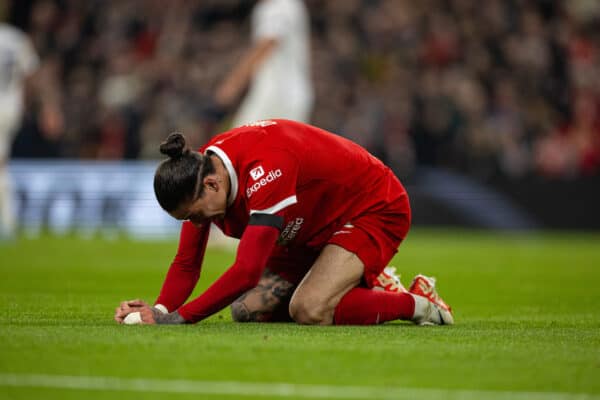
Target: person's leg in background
[(7, 212)]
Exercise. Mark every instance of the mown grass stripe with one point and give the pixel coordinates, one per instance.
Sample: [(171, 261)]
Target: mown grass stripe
[(257, 389)]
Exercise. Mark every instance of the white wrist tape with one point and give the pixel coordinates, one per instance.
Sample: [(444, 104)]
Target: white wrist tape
[(161, 308)]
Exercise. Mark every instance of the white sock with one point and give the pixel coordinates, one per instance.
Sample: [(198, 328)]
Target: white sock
[(421, 307)]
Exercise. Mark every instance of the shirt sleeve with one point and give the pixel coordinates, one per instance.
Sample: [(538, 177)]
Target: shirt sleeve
[(185, 269), (270, 183), (254, 249)]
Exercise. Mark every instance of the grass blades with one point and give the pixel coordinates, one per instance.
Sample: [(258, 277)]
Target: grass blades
[(526, 308)]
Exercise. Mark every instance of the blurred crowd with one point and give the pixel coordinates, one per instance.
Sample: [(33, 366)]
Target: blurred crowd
[(491, 88)]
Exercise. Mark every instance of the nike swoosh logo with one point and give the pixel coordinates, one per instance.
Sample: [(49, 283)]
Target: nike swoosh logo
[(340, 232), (441, 318)]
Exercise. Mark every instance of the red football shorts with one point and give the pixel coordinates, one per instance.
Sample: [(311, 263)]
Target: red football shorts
[(373, 237)]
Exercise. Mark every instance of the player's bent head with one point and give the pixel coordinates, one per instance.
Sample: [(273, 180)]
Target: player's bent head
[(178, 178)]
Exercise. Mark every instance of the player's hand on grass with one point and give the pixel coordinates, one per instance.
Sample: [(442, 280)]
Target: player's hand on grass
[(126, 308), (141, 313)]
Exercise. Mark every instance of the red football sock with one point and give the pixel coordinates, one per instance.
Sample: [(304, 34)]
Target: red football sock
[(362, 306)]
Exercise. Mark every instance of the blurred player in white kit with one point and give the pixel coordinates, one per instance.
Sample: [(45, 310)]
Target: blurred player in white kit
[(276, 69), (18, 61)]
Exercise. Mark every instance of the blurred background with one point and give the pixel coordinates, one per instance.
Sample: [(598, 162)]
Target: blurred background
[(488, 111)]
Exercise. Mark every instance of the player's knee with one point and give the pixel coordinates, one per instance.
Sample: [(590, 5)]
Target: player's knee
[(239, 312), (307, 312)]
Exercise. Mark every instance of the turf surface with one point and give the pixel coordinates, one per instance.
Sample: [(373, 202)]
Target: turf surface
[(526, 307)]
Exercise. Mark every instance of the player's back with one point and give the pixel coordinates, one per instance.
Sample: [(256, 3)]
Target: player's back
[(327, 156)]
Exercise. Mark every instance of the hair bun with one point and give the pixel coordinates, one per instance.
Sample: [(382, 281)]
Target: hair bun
[(174, 146)]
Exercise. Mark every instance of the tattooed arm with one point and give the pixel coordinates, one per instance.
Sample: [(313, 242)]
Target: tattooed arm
[(167, 319), (152, 315), (267, 302)]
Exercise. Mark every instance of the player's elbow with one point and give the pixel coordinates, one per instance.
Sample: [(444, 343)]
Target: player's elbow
[(240, 313)]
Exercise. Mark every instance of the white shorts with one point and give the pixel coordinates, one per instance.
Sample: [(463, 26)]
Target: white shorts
[(263, 104)]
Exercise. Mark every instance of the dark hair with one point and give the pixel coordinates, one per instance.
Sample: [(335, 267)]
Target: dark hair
[(179, 178)]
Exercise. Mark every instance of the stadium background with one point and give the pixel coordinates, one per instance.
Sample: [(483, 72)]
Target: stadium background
[(488, 111), (502, 93)]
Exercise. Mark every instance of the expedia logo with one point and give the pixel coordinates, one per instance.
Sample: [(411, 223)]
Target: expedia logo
[(257, 172), (271, 176)]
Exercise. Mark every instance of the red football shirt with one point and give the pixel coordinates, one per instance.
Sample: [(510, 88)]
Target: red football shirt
[(314, 180), (300, 172)]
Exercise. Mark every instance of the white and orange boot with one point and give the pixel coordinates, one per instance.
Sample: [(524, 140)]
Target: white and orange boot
[(389, 281), (430, 308)]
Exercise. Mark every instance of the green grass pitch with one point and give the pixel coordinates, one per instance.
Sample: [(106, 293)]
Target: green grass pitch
[(527, 310)]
